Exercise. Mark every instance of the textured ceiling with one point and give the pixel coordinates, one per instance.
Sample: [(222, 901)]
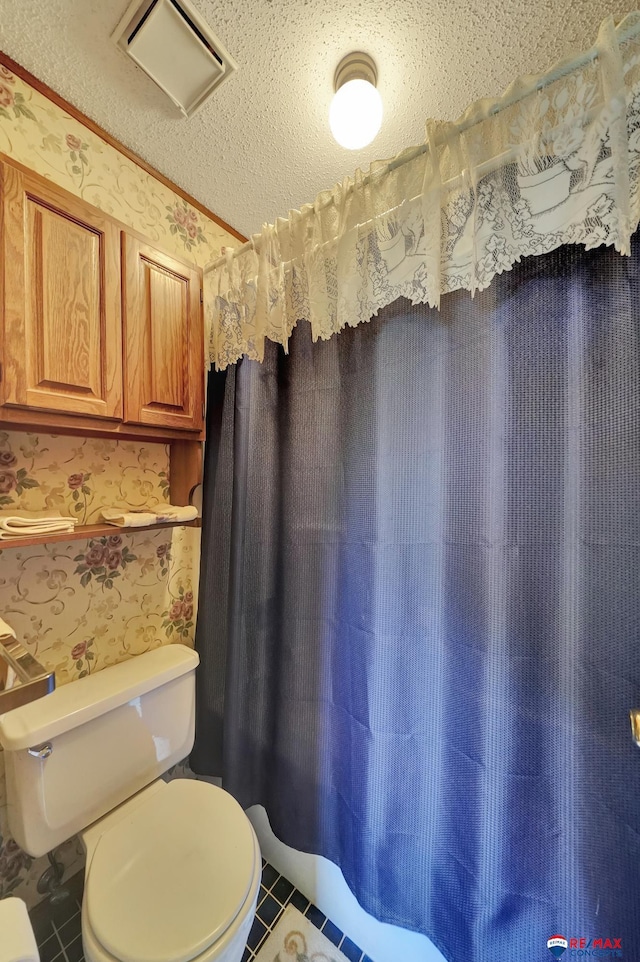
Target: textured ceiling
[(262, 144)]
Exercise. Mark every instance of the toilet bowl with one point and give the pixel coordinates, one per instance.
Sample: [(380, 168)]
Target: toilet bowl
[(172, 868), (171, 876)]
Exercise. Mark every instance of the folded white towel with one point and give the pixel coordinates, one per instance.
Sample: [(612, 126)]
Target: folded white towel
[(28, 519), (18, 942), (36, 531), (25, 518), (159, 514), (15, 524), (174, 512), (128, 519)]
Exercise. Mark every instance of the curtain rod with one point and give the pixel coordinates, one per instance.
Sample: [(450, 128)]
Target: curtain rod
[(563, 69)]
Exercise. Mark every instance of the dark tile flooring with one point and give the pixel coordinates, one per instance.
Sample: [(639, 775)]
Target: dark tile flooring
[(57, 927)]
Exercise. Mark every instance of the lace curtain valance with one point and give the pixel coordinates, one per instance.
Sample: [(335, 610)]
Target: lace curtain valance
[(556, 160)]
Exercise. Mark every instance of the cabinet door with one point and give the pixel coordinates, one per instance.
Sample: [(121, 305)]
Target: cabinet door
[(62, 318), (164, 366)]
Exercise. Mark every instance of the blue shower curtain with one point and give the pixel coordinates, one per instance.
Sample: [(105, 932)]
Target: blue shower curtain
[(420, 607)]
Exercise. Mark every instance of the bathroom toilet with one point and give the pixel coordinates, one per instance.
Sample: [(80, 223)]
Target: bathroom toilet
[(172, 868), (194, 890)]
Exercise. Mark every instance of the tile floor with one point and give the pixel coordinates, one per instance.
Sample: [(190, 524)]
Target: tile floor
[(275, 893), (57, 927)]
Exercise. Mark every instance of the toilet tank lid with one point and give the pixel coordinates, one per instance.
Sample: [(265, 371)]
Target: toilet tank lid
[(80, 701)]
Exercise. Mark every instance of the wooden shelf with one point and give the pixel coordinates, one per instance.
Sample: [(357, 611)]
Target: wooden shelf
[(88, 531)]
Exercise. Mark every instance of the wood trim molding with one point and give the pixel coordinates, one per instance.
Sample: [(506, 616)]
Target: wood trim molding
[(82, 425), (46, 91)]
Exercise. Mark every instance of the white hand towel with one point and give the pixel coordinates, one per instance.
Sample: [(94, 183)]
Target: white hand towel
[(18, 943), (18, 518), (174, 512), (16, 524), (129, 519), (158, 514)]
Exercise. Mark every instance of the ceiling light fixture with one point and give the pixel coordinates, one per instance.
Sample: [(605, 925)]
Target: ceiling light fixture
[(355, 114)]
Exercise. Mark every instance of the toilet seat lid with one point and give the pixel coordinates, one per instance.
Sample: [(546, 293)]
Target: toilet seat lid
[(168, 879)]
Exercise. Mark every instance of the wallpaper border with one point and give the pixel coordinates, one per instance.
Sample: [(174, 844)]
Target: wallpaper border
[(99, 131)]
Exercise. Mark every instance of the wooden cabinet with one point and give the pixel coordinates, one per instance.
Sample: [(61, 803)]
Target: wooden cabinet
[(101, 332), (162, 320), (62, 317)]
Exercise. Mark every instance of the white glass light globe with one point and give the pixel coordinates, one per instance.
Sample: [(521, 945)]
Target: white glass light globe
[(355, 114)]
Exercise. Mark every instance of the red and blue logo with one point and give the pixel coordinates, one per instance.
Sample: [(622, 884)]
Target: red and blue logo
[(584, 949), (556, 945)]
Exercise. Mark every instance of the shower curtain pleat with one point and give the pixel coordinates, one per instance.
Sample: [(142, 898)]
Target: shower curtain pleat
[(420, 606)]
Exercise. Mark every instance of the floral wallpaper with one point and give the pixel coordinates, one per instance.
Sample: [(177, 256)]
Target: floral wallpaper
[(80, 476), (40, 135), (80, 606)]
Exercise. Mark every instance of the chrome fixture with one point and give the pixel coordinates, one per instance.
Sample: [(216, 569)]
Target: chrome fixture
[(50, 882), (33, 681), (634, 715), (42, 751)]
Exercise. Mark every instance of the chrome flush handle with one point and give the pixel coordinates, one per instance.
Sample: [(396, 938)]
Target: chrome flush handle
[(41, 751), (634, 715)]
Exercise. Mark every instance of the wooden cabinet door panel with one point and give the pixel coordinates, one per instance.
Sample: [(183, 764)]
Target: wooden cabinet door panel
[(62, 318), (163, 338)]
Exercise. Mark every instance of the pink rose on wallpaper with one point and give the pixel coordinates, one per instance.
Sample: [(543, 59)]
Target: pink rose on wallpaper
[(113, 559), (184, 222), (179, 616), (75, 481), (103, 561), (6, 75), (8, 481), (7, 459), (95, 556), (176, 611), (73, 143), (6, 95), (78, 650)]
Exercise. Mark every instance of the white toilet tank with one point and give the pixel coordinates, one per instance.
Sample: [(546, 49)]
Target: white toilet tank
[(77, 753)]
